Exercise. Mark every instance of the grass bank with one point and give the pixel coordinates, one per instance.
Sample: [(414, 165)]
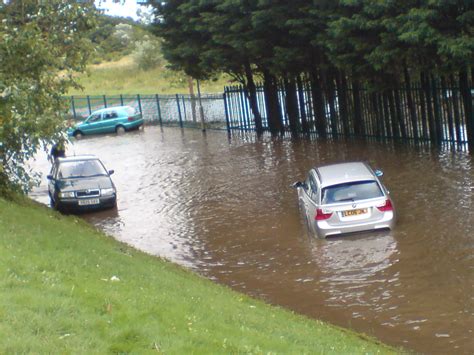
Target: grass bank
[(67, 288), (124, 77)]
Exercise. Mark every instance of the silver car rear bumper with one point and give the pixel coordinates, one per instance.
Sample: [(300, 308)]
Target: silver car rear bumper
[(324, 229)]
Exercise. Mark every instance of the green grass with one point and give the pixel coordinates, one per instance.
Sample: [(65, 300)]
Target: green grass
[(57, 296), (124, 77)]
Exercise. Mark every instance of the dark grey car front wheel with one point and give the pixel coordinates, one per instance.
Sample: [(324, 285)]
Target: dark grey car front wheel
[(54, 204)]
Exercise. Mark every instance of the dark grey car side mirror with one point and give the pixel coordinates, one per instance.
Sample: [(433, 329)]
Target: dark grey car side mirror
[(111, 172), (297, 184)]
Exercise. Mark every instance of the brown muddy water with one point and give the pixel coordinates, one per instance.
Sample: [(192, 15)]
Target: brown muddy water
[(224, 209)]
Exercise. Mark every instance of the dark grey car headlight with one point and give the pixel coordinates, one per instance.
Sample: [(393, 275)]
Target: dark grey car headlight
[(70, 194), (107, 192)]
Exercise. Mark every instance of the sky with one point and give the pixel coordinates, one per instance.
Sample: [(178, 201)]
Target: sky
[(127, 9)]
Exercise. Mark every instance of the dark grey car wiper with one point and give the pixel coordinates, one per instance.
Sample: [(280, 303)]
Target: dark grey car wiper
[(102, 174)]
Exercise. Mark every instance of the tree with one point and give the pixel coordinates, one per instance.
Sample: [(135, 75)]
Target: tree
[(122, 36), (336, 50), (42, 43), (147, 53)]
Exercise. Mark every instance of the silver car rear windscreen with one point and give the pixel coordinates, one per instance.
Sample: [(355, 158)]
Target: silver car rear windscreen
[(351, 191)]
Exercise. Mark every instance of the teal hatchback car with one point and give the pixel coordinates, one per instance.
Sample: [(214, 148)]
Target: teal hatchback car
[(108, 120)]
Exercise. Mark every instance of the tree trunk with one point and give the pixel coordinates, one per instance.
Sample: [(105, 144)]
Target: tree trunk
[(318, 104), (400, 117), (330, 90), (393, 115), (309, 108), (410, 104), (359, 127), (272, 104), (437, 111), (377, 115), (425, 82), (386, 113), (193, 98), (424, 119), (291, 105), (341, 83), (301, 97), (448, 108), (252, 96), (467, 103), (457, 115)]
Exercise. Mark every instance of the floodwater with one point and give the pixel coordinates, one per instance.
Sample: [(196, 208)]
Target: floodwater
[(224, 209)]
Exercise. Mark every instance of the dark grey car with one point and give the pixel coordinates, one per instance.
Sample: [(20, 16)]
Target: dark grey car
[(81, 183)]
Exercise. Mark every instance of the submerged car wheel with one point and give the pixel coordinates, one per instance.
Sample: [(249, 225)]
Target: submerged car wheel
[(54, 203), (120, 130), (78, 135), (51, 203)]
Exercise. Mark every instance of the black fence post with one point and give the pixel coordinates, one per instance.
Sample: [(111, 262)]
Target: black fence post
[(227, 122), (243, 108), (230, 108), (158, 109), (179, 112), (89, 104), (121, 99), (184, 108), (140, 104), (105, 101), (465, 93), (73, 106)]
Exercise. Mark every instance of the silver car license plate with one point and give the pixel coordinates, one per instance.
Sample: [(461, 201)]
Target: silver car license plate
[(354, 212), (90, 201)]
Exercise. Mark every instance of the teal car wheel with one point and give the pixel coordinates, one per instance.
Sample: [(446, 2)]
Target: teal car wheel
[(120, 130)]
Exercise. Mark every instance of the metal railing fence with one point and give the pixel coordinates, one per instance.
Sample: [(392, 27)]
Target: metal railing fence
[(179, 110), (415, 114)]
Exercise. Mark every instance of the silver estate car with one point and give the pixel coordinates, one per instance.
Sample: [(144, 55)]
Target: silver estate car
[(345, 198)]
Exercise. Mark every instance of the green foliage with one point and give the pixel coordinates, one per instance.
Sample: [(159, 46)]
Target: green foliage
[(147, 54), (115, 37), (369, 39), (42, 44), (192, 38)]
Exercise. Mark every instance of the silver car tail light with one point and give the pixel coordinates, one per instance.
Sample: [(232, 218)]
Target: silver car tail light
[(386, 206), (322, 215)]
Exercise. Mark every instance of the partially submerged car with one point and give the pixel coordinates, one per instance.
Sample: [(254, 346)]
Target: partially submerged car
[(108, 120), (81, 183), (345, 198)]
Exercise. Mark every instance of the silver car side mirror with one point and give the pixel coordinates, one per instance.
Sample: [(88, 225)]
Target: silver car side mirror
[(297, 184), (378, 173)]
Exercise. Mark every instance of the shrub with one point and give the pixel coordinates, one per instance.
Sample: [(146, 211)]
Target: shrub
[(147, 53)]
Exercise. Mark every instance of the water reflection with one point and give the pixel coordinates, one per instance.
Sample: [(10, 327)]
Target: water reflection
[(354, 259), (353, 271)]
